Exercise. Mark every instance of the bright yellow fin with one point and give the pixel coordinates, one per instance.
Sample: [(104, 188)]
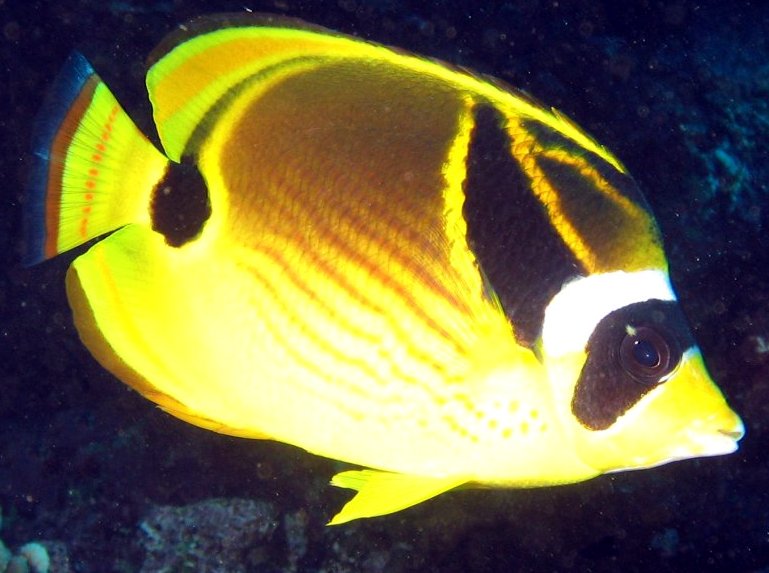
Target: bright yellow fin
[(119, 291), (129, 295), (200, 67), (95, 170), (380, 493)]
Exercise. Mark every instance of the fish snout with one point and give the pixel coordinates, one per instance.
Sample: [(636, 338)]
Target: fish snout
[(717, 435)]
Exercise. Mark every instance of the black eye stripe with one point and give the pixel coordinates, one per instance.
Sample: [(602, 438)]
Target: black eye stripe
[(632, 350)]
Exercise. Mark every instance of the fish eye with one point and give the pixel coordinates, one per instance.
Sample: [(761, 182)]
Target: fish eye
[(648, 355)]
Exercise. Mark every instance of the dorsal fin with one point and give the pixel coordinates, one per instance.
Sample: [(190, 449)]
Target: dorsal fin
[(204, 62)]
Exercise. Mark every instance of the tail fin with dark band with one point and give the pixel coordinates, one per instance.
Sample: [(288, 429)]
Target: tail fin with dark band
[(94, 171)]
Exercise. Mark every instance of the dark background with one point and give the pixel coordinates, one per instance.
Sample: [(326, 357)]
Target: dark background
[(679, 90)]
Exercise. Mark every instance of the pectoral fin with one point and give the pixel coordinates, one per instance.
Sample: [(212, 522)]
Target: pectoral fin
[(380, 493)]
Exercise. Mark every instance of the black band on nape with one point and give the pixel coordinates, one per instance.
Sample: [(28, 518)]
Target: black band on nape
[(519, 252)]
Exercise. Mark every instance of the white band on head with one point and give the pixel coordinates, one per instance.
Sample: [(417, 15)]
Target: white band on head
[(582, 303)]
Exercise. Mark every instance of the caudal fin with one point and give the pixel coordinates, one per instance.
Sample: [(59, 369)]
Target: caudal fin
[(94, 170)]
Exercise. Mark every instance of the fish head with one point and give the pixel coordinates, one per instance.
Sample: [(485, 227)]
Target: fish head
[(629, 382)]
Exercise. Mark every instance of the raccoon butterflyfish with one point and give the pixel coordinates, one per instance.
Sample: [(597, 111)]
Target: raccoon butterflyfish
[(373, 256)]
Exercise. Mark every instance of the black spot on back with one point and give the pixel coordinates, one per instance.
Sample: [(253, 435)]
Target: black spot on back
[(605, 389), (180, 204), (519, 252)]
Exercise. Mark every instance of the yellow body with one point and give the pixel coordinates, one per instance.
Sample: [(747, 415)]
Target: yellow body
[(332, 300)]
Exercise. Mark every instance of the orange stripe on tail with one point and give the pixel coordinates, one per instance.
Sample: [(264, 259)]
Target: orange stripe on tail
[(94, 169)]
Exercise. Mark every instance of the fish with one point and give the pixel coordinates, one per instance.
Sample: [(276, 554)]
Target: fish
[(377, 257)]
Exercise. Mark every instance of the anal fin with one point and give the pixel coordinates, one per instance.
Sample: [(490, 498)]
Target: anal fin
[(380, 493)]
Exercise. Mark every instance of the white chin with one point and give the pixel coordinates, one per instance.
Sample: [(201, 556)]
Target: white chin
[(702, 446), (705, 445)]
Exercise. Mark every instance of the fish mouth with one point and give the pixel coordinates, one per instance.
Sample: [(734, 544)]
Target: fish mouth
[(722, 441), (735, 435), (718, 445)]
